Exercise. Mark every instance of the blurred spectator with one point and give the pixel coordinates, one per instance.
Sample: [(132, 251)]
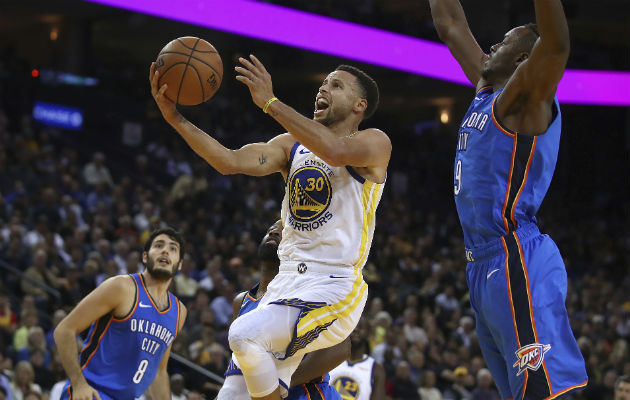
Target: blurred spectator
[(24, 381), (38, 276), (457, 389), (96, 172), (222, 305), (427, 389), (413, 333), (485, 389), (185, 285), (178, 389), (404, 388)]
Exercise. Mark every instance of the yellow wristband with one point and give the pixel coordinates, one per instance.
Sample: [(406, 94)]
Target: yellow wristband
[(266, 106)]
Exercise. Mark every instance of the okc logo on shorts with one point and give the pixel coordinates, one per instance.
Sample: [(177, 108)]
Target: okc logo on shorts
[(309, 193), (530, 357), (347, 387)]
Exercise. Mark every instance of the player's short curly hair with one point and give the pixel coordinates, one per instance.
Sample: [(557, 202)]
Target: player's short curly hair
[(369, 88), (170, 232)]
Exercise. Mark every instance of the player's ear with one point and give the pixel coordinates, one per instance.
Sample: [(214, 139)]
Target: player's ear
[(522, 57), (361, 105), (145, 257), (179, 264)]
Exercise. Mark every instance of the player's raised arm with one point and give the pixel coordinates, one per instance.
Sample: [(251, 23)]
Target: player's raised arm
[(452, 28), (104, 299), (536, 78), (257, 159), (336, 141)]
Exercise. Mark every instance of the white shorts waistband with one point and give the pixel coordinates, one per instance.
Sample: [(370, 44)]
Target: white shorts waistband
[(305, 267)]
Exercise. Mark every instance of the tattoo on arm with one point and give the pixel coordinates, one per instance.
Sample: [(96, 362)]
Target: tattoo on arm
[(262, 159)]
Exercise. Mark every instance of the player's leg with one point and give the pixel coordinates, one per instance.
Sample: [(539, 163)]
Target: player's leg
[(548, 349), (234, 388), (479, 283), (254, 337)]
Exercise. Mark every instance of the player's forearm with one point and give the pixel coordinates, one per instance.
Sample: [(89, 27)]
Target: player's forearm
[(218, 156), (313, 135), (66, 343), (160, 389), (552, 25), (447, 14)]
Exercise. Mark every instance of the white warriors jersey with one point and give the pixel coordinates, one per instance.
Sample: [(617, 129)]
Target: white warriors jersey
[(353, 381), (327, 212)]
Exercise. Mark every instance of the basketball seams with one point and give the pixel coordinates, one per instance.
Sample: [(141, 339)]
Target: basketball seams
[(181, 81), (194, 58), (203, 92), (202, 58)]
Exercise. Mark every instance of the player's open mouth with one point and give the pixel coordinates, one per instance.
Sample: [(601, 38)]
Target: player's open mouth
[(321, 105), (163, 261)]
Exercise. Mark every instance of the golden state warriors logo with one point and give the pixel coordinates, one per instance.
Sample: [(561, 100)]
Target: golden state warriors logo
[(347, 387), (309, 193)]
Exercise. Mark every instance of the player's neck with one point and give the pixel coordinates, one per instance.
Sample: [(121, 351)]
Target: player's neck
[(157, 289), (344, 128), (357, 354), (268, 271)]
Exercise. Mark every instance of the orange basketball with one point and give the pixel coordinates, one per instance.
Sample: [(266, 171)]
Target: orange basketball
[(192, 69)]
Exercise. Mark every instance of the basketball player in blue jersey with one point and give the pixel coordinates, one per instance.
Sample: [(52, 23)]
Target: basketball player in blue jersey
[(359, 377), (506, 155), (334, 174), (310, 380), (133, 321)]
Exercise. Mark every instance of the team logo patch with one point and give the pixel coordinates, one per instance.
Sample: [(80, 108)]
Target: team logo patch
[(302, 268), (347, 387), (309, 193), (530, 357)]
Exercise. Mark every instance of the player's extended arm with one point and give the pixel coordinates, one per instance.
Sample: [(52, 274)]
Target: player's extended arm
[(160, 388), (102, 300), (320, 362), (378, 383), (536, 79), (371, 148), (256, 159), (452, 28)]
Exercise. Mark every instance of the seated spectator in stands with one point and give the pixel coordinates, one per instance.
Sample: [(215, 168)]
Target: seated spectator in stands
[(404, 388), (41, 273), (413, 333), (43, 374), (36, 341), (28, 319), (185, 285), (427, 389), (457, 389), (58, 315), (8, 319), (24, 381), (178, 389), (222, 305), (96, 172), (485, 389)]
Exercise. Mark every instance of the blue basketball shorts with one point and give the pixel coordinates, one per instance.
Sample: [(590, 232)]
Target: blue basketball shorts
[(313, 391), (518, 288)]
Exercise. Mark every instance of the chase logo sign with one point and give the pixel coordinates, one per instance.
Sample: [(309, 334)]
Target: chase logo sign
[(58, 115), (309, 193), (347, 387), (530, 357)]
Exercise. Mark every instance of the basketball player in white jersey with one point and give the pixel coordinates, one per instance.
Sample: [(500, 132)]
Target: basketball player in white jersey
[(359, 377), (334, 176)]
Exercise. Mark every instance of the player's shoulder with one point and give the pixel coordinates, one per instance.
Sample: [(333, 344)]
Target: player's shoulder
[(119, 283), (375, 135), (284, 139), (238, 299)]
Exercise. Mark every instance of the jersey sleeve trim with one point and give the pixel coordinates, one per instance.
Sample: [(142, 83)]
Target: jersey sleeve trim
[(496, 121)]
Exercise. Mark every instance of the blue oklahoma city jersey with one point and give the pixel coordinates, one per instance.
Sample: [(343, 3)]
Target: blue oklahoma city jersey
[(500, 177), (122, 356)]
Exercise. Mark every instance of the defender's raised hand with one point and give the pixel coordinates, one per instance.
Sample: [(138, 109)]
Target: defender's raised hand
[(255, 76)]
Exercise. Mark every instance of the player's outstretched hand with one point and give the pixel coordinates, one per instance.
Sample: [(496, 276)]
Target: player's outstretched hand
[(84, 392), (255, 76), (167, 107)]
